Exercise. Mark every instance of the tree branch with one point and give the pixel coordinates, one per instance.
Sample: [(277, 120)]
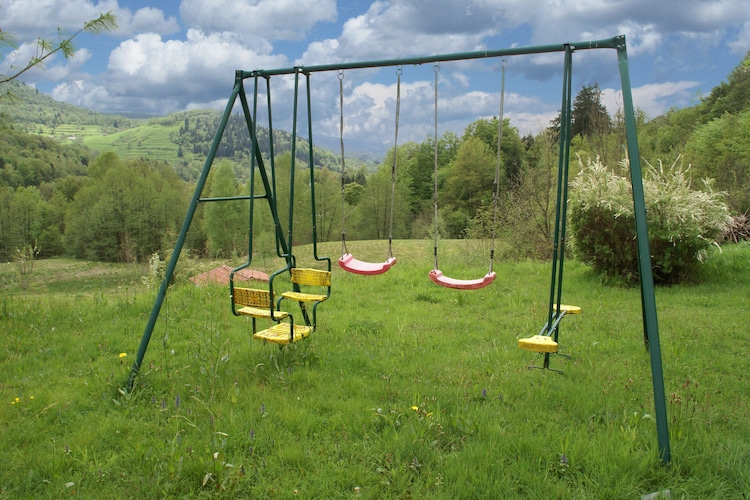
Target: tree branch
[(45, 49)]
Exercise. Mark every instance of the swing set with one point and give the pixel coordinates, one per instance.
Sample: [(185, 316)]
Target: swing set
[(306, 288)]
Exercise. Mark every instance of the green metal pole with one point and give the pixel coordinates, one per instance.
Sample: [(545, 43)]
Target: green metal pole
[(312, 174), (607, 43), (281, 245), (564, 153), (268, 183), (648, 297), (566, 170), (293, 168), (183, 233)]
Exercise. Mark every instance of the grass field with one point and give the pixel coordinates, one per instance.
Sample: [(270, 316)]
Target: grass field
[(69, 132), (407, 390), (147, 141)]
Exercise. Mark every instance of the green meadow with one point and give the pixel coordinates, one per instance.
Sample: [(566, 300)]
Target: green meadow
[(147, 141), (70, 132), (406, 390)]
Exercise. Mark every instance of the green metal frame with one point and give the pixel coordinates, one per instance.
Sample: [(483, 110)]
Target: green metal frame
[(648, 300), (269, 186)]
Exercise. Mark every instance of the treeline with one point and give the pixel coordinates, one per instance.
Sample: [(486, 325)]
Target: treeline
[(32, 160), (67, 201), (117, 212)]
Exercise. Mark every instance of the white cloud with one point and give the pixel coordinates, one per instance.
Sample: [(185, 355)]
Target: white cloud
[(31, 19), (566, 19), (197, 70), (17, 59), (145, 20), (655, 98), (80, 93), (320, 52), (741, 43), (91, 95), (273, 19), (152, 60), (54, 68), (407, 28)]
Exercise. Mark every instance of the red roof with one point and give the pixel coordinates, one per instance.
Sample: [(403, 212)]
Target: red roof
[(221, 275)]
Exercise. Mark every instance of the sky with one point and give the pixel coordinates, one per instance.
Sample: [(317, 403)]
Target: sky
[(171, 55)]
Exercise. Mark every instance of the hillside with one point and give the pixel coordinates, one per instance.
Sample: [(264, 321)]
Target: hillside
[(182, 139), (36, 112)]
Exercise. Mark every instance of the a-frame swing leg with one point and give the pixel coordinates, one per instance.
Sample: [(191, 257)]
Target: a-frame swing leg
[(237, 91), (161, 294)]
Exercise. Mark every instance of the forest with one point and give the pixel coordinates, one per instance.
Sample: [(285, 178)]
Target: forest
[(67, 200)]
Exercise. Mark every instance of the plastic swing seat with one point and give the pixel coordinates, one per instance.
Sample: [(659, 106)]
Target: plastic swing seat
[(538, 343), (350, 264), (543, 342), (568, 309), (437, 276)]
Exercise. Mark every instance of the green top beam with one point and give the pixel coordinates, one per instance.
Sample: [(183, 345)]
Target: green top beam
[(607, 43)]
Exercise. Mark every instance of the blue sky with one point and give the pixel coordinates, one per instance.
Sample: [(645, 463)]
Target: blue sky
[(175, 55)]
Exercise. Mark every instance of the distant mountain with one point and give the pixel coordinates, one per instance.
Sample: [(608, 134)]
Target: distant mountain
[(369, 152), (173, 138), (27, 107)]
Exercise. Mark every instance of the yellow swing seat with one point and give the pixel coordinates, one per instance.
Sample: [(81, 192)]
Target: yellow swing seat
[(538, 343), (256, 304), (284, 333), (312, 278), (568, 309)]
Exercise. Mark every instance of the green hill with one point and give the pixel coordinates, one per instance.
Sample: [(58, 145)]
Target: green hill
[(30, 110), (145, 141), (182, 139)]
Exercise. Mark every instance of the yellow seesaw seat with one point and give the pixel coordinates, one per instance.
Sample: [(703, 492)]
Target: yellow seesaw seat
[(538, 343), (544, 343)]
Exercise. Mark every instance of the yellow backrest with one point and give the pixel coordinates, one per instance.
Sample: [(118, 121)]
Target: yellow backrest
[(311, 277), (252, 297)]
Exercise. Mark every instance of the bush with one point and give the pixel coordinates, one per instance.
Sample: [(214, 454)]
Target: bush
[(683, 223)]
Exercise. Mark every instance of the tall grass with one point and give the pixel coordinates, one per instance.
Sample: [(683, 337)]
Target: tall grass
[(405, 390)]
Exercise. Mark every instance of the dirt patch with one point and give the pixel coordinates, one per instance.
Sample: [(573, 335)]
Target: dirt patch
[(221, 275)]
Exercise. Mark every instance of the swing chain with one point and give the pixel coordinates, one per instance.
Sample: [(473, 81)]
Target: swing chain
[(343, 162), (496, 186), (399, 72)]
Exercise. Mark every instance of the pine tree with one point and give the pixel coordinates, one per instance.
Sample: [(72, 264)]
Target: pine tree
[(589, 116)]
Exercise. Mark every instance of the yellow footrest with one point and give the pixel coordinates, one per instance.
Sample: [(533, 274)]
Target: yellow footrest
[(568, 309), (304, 297), (257, 312), (280, 334), (538, 343)]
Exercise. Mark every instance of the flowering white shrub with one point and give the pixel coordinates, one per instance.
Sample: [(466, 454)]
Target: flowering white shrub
[(682, 222)]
